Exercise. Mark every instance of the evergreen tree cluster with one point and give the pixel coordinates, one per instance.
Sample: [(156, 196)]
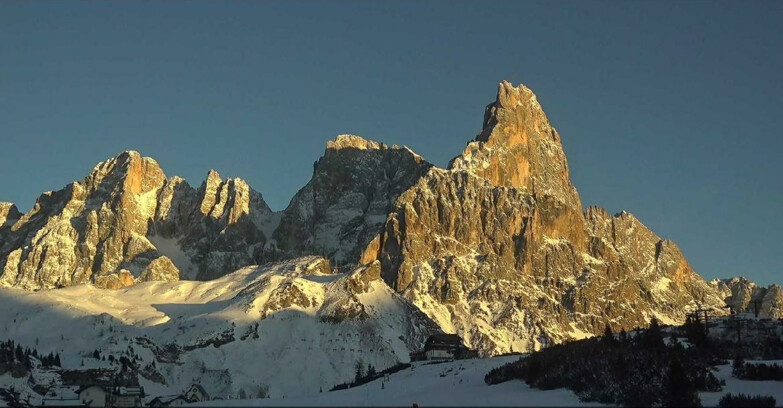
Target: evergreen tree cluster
[(742, 400), (370, 375), (638, 371), (757, 372), (19, 361)]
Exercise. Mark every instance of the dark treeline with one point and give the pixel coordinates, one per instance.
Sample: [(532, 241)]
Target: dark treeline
[(632, 371), (19, 361), (756, 372), (371, 375), (746, 401)]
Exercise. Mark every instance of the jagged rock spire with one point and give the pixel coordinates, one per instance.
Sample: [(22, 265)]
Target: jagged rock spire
[(517, 147)]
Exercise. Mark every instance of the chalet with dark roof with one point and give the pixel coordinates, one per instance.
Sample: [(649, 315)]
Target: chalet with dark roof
[(443, 346)]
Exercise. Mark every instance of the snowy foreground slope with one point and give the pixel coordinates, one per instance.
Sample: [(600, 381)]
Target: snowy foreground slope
[(736, 386), (461, 383), (293, 327), (457, 383)]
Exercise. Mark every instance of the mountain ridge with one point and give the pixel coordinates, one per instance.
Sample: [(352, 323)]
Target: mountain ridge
[(496, 246)]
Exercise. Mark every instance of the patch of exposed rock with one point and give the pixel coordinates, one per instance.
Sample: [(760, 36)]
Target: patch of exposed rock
[(344, 206), (745, 296)]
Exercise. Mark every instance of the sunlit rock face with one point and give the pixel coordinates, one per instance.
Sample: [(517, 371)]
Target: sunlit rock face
[(126, 222), (495, 247), (745, 296), (498, 249)]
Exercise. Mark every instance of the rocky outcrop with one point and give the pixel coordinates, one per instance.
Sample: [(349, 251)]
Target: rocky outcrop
[(345, 204), (127, 222), (497, 248), (745, 296), (9, 214)]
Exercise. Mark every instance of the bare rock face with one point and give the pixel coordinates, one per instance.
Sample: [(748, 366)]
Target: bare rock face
[(8, 213), (745, 296), (126, 223), (228, 227), (497, 248), (345, 204)]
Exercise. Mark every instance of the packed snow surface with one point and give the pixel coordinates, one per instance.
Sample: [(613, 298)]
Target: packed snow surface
[(455, 383), (291, 327)]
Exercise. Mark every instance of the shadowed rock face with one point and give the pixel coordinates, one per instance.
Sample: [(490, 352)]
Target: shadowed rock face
[(345, 204), (101, 230)]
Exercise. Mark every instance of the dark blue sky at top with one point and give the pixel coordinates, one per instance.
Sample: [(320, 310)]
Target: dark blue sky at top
[(672, 111)]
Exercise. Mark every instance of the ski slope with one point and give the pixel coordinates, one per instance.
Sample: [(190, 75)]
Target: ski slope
[(456, 383), (292, 327)]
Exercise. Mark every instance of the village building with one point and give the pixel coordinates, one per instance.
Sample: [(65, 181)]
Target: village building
[(443, 346), (62, 396), (196, 393), (126, 397)]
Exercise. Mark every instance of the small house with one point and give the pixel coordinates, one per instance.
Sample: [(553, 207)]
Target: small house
[(196, 393), (126, 397), (443, 346), (62, 396)]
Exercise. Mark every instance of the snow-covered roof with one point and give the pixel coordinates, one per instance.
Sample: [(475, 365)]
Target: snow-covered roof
[(62, 392)]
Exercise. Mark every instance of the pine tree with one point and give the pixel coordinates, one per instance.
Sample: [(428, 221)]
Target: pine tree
[(608, 335), (738, 366), (623, 336), (359, 370), (652, 338), (679, 389)]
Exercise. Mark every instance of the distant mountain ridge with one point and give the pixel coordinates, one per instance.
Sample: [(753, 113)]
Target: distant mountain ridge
[(496, 247)]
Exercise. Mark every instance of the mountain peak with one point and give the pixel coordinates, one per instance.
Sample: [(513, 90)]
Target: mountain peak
[(346, 141), (517, 147), (509, 96), (136, 173)]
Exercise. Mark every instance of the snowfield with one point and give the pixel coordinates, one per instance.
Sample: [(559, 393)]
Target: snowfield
[(456, 383), (736, 386), (292, 328), (461, 383)]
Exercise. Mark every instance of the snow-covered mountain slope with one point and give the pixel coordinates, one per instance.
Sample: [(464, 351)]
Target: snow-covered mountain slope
[(456, 383), (292, 326)]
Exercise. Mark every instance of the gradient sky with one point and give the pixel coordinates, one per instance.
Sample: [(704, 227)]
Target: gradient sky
[(672, 111)]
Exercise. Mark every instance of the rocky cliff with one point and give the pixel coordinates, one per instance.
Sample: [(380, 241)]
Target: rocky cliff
[(496, 247), (344, 206), (127, 222), (745, 296)]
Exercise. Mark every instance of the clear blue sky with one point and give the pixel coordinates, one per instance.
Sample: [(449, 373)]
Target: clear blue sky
[(672, 111)]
